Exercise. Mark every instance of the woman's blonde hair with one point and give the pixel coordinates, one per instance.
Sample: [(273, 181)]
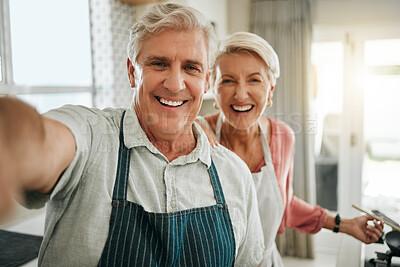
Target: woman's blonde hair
[(245, 42), (170, 16)]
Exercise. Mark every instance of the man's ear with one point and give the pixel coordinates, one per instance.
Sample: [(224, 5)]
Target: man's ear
[(131, 73), (207, 85)]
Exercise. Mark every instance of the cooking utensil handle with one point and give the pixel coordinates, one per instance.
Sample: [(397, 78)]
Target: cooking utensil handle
[(376, 217)]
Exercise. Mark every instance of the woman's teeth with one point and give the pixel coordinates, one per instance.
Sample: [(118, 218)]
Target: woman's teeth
[(169, 102), (242, 108)]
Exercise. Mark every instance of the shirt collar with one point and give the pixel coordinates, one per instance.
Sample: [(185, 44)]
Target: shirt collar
[(134, 136)]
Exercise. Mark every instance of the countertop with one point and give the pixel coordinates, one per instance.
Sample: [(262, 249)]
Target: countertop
[(33, 225)]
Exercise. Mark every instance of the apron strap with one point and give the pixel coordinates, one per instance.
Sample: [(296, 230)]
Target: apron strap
[(219, 195), (265, 145), (124, 157)]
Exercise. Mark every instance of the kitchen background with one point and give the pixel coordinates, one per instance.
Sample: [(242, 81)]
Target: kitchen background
[(59, 52)]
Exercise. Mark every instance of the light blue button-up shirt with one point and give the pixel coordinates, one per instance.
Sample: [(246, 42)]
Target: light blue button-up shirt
[(78, 212)]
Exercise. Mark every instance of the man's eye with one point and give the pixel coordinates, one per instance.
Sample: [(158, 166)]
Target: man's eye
[(191, 68), (255, 80), (158, 64)]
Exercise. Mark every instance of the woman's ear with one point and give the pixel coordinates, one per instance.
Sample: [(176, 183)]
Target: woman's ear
[(131, 73), (271, 93)]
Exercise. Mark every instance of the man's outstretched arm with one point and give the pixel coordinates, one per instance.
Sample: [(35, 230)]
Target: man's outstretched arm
[(35, 150)]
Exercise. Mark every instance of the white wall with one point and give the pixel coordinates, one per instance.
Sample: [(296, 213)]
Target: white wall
[(234, 15), (355, 12), (238, 15), (213, 10), (325, 13)]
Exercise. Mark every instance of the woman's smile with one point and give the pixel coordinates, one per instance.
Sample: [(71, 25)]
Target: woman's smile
[(242, 108)]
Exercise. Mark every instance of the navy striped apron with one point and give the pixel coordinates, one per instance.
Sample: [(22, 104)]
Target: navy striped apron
[(194, 237)]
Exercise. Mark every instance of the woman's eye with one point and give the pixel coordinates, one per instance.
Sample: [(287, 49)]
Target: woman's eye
[(227, 81), (255, 80)]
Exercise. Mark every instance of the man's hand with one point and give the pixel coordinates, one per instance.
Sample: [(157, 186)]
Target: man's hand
[(34, 151)]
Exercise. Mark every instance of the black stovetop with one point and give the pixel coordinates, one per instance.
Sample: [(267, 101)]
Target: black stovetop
[(379, 255), (386, 259)]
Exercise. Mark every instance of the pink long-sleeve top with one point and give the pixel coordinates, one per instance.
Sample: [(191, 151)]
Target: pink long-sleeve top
[(298, 214)]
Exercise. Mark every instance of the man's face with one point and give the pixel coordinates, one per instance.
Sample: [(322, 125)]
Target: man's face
[(170, 76)]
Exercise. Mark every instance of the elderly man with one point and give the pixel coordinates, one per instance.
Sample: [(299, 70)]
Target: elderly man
[(136, 187)]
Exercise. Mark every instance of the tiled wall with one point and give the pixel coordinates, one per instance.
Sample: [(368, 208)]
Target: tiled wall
[(122, 17), (110, 23)]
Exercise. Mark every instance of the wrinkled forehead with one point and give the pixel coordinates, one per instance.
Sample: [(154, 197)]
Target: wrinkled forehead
[(242, 53), (240, 60), (188, 44)]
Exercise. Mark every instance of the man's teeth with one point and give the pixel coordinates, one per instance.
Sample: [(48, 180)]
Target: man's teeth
[(242, 108), (170, 103)]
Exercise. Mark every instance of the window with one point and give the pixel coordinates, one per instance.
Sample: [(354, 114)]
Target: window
[(327, 62), (46, 52), (1, 69), (381, 166)]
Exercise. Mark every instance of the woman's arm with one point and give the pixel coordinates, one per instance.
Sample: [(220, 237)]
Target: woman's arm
[(358, 227), (304, 217), (298, 214)]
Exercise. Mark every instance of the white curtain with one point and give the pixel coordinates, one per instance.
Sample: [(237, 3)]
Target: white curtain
[(286, 25)]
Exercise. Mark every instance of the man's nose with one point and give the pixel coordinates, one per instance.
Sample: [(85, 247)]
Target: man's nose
[(175, 80)]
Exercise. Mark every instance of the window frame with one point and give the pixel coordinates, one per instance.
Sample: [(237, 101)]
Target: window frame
[(5, 46), (7, 84)]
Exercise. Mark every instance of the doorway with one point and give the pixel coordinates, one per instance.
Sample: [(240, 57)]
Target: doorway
[(381, 158), (357, 92)]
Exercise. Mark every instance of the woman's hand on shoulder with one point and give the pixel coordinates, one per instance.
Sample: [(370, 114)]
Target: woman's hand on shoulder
[(210, 134)]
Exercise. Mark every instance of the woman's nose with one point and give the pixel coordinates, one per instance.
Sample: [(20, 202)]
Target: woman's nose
[(241, 92)]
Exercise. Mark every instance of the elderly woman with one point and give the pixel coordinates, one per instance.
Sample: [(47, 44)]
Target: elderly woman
[(243, 80)]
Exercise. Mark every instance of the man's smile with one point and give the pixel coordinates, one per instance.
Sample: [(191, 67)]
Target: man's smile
[(170, 103)]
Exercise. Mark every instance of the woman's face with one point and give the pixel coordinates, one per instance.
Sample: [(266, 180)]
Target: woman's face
[(242, 88)]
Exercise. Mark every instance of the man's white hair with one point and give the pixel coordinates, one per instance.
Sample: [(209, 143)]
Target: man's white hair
[(170, 16)]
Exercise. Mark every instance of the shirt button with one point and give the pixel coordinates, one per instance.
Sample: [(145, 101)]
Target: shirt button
[(170, 209), (167, 167)]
